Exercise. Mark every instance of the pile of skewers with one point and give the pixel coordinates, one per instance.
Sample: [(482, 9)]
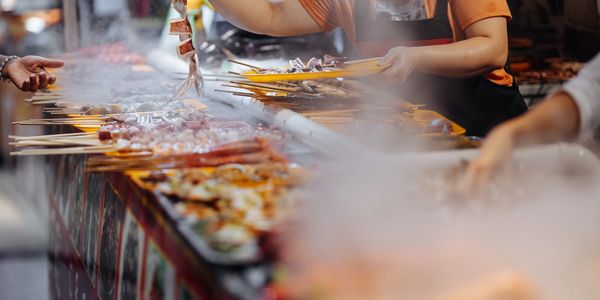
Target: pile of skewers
[(156, 140), (227, 177), (334, 102)]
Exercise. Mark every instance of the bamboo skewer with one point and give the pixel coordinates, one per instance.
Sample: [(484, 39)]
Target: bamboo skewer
[(49, 137), (266, 90), (236, 93), (63, 151), (46, 102), (231, 75), (245, 64), (290, 90), (99, 124), (36, 143), (58, 142), (49, 93), (360, 61), (85, 118), (44, 98)]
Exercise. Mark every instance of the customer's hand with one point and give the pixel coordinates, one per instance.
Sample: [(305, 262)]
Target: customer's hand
[(29, 73)]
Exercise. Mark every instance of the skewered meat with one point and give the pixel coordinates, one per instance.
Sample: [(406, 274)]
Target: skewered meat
[(338, 62), (189, 140), (236, 204), (329, 63), (180, 27), (103, 109), (187, 50)]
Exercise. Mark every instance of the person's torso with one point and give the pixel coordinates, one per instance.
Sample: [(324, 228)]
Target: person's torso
[(380, 25)]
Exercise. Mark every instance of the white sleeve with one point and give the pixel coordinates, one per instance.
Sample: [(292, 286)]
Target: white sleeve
[(585, 90)]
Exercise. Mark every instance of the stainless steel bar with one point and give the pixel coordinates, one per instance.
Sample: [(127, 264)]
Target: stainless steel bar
[(71, 25)]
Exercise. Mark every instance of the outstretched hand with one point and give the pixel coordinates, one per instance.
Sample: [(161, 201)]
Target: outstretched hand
[(496, 153), (29, 73)]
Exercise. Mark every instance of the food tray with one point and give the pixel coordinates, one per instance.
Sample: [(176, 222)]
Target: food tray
[(359, 68), (425, 117), (248, 254)]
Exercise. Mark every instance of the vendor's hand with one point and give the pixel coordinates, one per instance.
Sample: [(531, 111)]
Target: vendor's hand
[(496, 152), (29, 73), (399, 63)]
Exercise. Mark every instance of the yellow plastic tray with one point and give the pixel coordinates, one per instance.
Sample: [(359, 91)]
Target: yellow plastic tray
[(359, 68), (425, 117)]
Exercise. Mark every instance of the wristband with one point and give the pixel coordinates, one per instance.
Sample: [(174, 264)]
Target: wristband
[(3, 65)]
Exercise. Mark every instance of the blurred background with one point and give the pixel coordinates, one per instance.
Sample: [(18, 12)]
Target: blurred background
[(543, 32)]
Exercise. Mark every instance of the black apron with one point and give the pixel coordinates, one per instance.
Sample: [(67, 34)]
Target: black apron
[(476, 104)]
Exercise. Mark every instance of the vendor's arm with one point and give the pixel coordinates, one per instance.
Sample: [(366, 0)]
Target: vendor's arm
[(485, 49), (275, 18), (29, 73)]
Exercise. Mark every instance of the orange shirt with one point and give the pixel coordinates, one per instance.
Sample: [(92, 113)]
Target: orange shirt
[(330, 14)]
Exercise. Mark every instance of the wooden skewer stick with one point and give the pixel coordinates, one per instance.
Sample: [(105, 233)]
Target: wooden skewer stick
[(67, 112), (49, 109), (52, 136), (58, 123), (360, 61), (45, 102), (290, 90), (235, 93), (58, 142), (71, 120), (49, 93), (36, 144), (62, 151), (268, 88), (244, 64), (287, 84), (86, 118), (45, 97), (225, 76)]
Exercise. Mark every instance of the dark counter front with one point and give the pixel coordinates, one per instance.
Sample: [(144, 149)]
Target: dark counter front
[(111, 240)]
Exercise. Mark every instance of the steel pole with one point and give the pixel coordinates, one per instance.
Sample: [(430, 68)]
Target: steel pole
[(71, 25)]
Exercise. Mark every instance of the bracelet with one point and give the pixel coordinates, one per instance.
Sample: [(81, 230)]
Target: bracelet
[(3, 65)]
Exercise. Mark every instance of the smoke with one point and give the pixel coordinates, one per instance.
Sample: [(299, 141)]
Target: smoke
[(370, 229)]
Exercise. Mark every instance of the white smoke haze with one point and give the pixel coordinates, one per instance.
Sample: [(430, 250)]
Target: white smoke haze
[(370, 229)]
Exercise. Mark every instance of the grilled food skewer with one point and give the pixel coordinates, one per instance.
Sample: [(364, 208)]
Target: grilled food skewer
[(245, 64), (52, 136)]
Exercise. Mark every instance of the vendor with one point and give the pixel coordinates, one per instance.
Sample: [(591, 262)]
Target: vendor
[(451, 55), (28, 73)]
